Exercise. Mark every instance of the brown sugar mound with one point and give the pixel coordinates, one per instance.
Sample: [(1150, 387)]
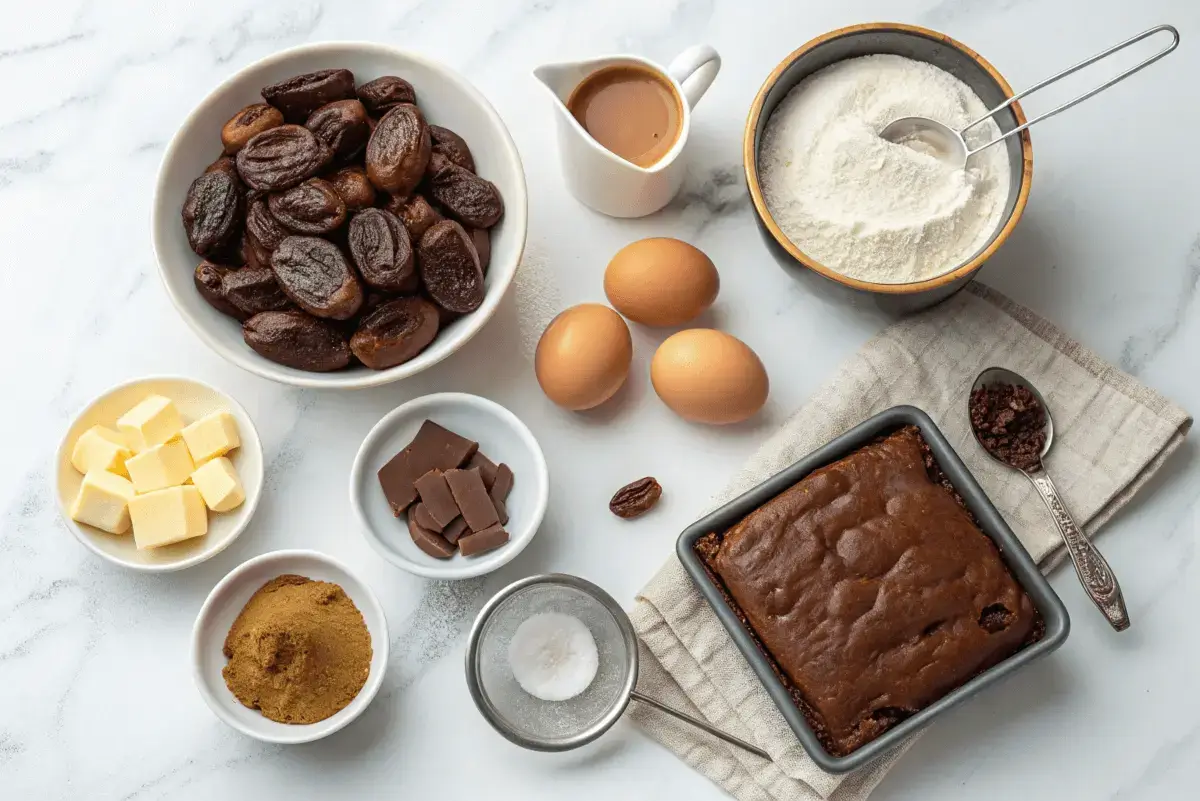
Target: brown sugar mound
[(299, 650)]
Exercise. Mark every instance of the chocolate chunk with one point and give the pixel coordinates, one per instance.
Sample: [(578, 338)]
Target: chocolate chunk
[(488, 539), (436, 498), (455, 530), (503, 483), (472, 498), (433, 448), (501, 511), (420, 514), (487, 468), (428, 541)]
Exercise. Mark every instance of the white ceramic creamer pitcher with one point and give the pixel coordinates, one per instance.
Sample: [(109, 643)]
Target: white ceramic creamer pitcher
[(602, 179)]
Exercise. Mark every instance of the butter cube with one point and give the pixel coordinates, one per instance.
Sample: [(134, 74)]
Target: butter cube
[(152, 422), (211, 436), (219, 485), (160, 467), (103, 501), (168, 515), (100, 448)]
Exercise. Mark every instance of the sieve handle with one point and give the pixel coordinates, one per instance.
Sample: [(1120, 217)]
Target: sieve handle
[(1072, 70), (700, 724)]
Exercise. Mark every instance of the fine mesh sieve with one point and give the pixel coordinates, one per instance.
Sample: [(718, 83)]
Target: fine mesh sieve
[(560, 725)]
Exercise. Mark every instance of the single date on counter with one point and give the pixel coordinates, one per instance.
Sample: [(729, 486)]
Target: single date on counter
[(636, 498)]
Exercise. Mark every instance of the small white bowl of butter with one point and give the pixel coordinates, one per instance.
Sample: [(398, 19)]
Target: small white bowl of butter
[(159, 473)]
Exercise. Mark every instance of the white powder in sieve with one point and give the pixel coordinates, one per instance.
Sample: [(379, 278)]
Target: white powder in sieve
[(553, 656), (868, 208)]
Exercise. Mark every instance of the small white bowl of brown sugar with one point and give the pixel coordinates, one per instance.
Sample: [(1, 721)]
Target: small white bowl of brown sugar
[(290, 647)]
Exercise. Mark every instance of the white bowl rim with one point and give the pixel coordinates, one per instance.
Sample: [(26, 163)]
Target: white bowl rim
[(250, 504), (515, 209), (451, 569), (304, 732)]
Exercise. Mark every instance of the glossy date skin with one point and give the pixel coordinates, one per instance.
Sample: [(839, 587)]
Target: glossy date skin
[(296, 339), (316, 276), (281, 157), (399, 149)]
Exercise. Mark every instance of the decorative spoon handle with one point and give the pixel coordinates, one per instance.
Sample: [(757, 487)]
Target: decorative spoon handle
[(1095, 574), (700, 724)]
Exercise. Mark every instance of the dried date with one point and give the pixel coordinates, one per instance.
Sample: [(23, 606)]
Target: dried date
[(395, 332), (248, 123), (252, 290), (343, 125), (449, 268), (212, 212), (314, 207), (383, 94), (398, 150), (281, 157), (209, 279), (416, 214), (224, 164), (381, 249), (353, 186), (299, 96), (267, 231), (295, 339), (473, 201), (252, 253), (452, 146), (482, 240), (314, 273), (635, 499)]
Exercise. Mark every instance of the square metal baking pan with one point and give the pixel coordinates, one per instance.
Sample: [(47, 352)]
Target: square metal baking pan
[(1023, 568)]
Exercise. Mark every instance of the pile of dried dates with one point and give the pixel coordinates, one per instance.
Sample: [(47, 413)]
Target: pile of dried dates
[(338, 225)]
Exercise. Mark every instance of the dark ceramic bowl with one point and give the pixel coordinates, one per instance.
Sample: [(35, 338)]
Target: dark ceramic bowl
[(1022, 566), (916, 43)]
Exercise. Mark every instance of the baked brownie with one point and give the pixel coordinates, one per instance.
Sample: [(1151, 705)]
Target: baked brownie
[(871, 590)]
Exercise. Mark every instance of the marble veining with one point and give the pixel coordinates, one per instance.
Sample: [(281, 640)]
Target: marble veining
[(1141, 348), (96, 695)]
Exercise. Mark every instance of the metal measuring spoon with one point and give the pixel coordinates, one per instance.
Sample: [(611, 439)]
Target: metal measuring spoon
[(947, 144), (1095, 574)]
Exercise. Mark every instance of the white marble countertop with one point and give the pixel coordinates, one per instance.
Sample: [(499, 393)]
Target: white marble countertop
[(96, 696)]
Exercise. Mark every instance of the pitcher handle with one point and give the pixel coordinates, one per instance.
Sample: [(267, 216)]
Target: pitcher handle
[(695, 69)]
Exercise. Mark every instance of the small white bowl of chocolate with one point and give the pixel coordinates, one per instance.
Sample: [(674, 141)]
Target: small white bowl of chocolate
[(449, 486)]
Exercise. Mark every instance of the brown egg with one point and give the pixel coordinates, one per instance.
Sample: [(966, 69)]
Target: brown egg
[(661, 282), (583, 356), (709, 377)]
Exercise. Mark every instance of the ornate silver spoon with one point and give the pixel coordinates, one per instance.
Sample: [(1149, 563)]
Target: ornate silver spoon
[(1095, 574)]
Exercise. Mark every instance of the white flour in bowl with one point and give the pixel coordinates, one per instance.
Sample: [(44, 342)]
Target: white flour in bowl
[(867, 208)]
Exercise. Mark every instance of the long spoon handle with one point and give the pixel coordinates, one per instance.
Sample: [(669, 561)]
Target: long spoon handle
[(700, 724), (1095, 574), (1071, 70)]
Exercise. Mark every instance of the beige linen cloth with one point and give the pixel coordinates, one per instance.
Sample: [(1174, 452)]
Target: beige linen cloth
[(1111, 435)]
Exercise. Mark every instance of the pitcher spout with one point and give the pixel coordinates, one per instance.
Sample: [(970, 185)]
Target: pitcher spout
[(559, 79)]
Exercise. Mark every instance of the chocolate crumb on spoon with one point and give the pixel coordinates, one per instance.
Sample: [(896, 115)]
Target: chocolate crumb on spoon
[(1012, 423)]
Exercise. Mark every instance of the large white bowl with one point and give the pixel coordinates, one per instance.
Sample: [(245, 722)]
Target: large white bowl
[(225, 603), (447, 99)]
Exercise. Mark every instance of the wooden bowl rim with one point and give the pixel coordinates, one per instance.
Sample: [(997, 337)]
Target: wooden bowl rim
[(750, 164)]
